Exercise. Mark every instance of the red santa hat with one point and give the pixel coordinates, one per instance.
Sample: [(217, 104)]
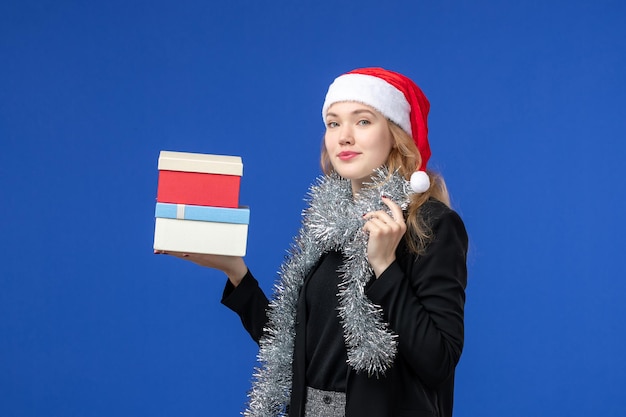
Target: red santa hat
[(397, 98)]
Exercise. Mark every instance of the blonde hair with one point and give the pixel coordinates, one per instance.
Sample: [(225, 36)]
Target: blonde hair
[(405, 158)]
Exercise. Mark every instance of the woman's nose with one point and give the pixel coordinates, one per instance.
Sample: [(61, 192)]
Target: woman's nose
[(346, 137)]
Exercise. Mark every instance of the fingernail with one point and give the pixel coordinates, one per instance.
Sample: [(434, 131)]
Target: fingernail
[(384, 196)]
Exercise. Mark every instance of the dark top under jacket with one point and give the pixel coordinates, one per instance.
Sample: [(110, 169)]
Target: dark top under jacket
[(422, 298), (326, 355)]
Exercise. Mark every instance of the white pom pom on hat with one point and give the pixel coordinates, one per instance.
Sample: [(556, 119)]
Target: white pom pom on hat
[(420, 183), (397, 98)]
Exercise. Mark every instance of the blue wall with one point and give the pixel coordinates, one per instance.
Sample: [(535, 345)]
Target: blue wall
[(527, 125)]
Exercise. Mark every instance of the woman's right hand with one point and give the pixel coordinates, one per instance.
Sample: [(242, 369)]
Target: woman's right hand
[(233, 266)]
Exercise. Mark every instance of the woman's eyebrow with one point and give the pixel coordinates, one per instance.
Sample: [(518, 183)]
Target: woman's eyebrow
[(359, 111), (355, 112)]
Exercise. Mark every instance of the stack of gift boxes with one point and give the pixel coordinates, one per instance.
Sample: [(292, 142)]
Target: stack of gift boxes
[(197, 209)]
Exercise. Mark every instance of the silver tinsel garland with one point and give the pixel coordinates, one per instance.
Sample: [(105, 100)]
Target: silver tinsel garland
[(333, 221)]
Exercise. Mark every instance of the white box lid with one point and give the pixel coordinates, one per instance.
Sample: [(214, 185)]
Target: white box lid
[(199, 162)]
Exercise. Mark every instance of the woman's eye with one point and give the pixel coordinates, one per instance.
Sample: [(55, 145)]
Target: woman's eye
[(332, 124), (363, 122)]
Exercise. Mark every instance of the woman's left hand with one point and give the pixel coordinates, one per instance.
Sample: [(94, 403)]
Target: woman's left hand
[(385, 233)]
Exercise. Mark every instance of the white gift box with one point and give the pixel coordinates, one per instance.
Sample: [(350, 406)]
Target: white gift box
[(194, 236)]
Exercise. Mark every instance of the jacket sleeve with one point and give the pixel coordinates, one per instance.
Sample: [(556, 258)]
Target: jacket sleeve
[(250, 304), (423, 299)]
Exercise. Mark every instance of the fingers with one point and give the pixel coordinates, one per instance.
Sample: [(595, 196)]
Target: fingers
[(176, 254), (382, 217), (396, 211), (382, 223)]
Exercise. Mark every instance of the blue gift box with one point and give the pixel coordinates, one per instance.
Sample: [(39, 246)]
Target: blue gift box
[(203, 213), (201, 229)]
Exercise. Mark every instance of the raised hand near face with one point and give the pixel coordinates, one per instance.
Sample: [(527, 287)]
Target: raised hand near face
[(385, 233)]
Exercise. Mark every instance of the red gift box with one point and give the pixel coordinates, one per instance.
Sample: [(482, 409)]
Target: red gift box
[(199, 179)]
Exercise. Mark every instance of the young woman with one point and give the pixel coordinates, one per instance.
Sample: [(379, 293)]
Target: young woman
[(367, 318)]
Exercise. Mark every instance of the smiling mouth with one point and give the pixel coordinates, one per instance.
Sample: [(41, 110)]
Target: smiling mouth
[(344, 156)]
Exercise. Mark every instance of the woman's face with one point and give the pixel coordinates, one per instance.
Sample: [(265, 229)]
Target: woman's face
[(357, 140)]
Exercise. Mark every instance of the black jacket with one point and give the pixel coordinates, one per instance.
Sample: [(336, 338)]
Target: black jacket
[(422, 298)]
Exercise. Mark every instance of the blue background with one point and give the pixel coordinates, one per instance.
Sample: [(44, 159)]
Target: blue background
[(527, 125)]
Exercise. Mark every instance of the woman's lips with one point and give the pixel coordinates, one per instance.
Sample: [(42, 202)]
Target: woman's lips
[(345, 156)]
